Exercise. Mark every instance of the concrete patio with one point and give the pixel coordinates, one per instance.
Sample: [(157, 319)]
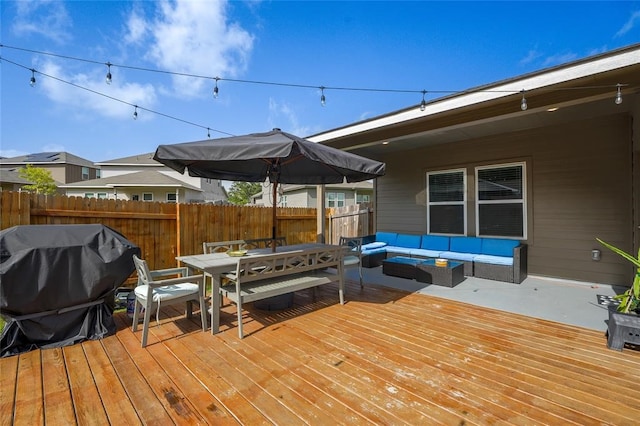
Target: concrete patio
[(567, 302)]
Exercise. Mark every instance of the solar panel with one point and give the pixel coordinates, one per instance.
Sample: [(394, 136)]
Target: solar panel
[(42, 157)]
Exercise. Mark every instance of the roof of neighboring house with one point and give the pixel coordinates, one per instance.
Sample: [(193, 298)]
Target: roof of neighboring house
[(133, 160), (147, 178), (330, 186), (8, 176), (47, 158)]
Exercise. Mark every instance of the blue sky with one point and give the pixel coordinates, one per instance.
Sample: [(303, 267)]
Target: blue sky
[(386, 45)]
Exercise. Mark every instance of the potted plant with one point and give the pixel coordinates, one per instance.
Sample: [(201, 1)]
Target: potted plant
[(630, 299), (624, 321)]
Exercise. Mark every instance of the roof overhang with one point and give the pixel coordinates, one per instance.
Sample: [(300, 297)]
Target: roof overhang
[(577, 90)]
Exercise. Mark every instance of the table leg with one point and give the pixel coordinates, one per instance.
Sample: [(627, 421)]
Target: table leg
[(215, 303)]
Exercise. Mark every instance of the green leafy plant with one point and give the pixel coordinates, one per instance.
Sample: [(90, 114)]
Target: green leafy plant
[(630, 299)]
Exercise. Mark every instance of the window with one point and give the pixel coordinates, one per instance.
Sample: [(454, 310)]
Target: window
[(135, 197), (85, 173), (89, 195), (500, 208), (446, 207), (283, 201), (147, 196), (363, 198), (98, 174), (171, 197), (102, 195), (335, 199)]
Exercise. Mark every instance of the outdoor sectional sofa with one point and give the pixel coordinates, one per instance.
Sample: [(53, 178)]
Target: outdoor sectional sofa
[(491, 258)]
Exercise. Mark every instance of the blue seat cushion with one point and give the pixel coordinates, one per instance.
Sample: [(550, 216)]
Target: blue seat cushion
[(387, 237), (435, 242), (374, 251), (498, 247), (454, 255), (425, 253), (465, 245), (374, 245), (397, 249), (494, 260), (407, 241)]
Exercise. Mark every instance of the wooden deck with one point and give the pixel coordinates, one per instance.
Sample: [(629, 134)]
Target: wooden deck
[(385, 357)]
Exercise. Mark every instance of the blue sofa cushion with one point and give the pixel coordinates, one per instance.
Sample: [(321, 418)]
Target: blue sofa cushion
[(435, 242), (399, 250), (387, 237), (374, 251), (466, 245), (374, 245), (407, 241), (454, 255), (498, 247), (425, 253), (494, 260)]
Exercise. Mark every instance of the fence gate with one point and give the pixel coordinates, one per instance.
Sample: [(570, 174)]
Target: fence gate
[(350, 221)]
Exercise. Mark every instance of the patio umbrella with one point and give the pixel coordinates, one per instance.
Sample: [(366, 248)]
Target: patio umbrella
[(277, 156)]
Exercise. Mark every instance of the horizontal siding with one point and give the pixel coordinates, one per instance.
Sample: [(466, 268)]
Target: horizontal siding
[(579, 188)]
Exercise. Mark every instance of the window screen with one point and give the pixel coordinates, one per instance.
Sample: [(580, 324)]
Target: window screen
[(446, 202), (501, 201)]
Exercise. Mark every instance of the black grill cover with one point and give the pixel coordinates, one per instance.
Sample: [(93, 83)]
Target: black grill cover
[(57, 284)]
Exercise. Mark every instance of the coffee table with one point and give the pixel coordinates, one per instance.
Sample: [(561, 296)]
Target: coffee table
[(400, 266), (448, 276)]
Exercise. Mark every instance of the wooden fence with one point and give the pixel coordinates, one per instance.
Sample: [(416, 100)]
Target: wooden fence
[(164, 231)]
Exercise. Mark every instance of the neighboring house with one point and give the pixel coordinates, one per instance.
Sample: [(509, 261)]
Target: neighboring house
[(11, 181), (193, 190), (555, 175), (336, 195), (64, 167), (148, 185)]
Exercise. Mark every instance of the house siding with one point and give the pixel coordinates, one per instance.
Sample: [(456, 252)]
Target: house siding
[(579, 186)]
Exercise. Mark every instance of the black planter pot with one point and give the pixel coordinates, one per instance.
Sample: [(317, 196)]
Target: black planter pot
[(623, 328)]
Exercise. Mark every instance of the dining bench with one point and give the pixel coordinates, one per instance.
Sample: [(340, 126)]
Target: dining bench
[(264, 276)]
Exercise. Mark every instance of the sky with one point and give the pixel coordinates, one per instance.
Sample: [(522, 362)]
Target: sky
[(271, 58)]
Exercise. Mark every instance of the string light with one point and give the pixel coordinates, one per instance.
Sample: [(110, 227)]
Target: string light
[(135, 112), (619, 95), (108, 79), (215, 89), (323, 100), (523, 103), (208, 133), (32, 82), (423, 104)]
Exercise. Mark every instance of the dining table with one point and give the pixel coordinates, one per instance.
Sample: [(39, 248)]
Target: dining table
[(214, 265)]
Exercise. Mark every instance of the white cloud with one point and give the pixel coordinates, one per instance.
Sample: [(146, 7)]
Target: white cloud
[(193, 37), (53, 147), (282, 116), (628, 26), (87, 102), (47, 18), (559, 59), (532, 55)]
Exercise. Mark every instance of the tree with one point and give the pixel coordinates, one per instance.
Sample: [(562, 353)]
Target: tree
[(240, 193), (43, 182)]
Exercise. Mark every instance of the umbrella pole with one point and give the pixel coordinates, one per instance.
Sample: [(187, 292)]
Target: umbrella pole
[(274, 219)]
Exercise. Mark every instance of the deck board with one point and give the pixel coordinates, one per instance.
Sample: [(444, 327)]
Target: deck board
[(385, 357)]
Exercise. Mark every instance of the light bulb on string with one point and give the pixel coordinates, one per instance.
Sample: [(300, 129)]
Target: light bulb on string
[(135, 112), (108, 78), (215, 89), (208, 133), (423, 104), (323, 100), (523, 103), (32, 82), (619, 95)]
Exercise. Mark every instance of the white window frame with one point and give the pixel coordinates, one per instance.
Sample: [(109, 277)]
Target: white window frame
[(364, 198), (101, 195), (336, 199), (175, 196), (135, 197), (85, 173), (463, 203), (89, 195), (283, 201), (522, 201), (144, 196)]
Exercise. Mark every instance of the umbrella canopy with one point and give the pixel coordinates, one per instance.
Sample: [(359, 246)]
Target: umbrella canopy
[(278, 156)]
